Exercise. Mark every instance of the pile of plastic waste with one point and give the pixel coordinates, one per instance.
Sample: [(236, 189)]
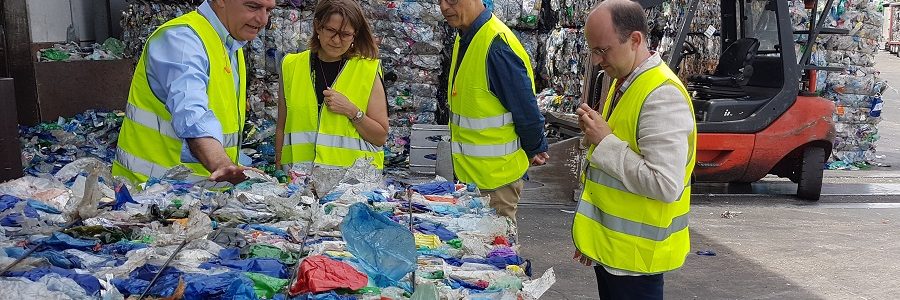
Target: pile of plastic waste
[(338, 236), (857, 90), (48, 147), (110, 49)]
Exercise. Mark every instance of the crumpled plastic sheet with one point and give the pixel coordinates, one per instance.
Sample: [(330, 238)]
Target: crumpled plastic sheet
[(319, 273), (49, 287), (565, 51), (386, 250)]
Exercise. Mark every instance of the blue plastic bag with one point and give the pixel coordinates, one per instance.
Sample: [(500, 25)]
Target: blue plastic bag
[(89, 283), (267, 266), (8, 201), (139, 279), (56, 258), (41, 206), (436, 229), (435, 188), (121, 248), (62, 241), (386, 250), (122, 197)]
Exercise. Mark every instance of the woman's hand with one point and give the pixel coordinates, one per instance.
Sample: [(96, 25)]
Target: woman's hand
[(338, 103)]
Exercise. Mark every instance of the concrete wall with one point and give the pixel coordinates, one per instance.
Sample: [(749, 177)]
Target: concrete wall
[(50, 19)]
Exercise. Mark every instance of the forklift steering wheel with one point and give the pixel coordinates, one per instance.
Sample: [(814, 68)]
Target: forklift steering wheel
[(689, 49)]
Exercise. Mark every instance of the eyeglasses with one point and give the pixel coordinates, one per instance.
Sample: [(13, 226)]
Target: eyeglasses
[(344, 36), (599, 52)]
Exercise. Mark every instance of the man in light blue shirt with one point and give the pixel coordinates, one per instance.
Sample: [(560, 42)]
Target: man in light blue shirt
[(178, 69)]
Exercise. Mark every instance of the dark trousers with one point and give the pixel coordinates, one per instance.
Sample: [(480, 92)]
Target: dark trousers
[(614, 287)]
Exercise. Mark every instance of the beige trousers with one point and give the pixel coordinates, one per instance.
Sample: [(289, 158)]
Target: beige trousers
[(505, 199)]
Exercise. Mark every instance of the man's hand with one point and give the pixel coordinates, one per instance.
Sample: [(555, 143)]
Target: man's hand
[(540, 159), (230, 172), (594, 127), (582, 259)]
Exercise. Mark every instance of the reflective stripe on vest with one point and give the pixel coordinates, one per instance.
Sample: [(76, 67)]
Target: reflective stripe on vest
[(482, 123), (485, 150), (145, 167), (150, 120), (344, 142), (629, 227), (153, 121), (296, 138), (600, 177)]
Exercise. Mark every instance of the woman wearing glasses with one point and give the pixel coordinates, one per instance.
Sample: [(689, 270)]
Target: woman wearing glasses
[(333, 109)]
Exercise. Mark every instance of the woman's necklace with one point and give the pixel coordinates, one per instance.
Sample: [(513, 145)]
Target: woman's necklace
[(325, 77)]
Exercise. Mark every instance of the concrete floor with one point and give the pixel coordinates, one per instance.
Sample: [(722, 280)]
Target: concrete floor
[(845, 246)]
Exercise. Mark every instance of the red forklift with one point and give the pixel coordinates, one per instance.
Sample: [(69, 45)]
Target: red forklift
[(757, 114)]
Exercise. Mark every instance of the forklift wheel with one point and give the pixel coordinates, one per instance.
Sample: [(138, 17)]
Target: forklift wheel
[(809, 186)]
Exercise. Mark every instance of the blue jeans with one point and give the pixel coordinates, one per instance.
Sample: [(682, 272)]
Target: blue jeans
[(628, 287)]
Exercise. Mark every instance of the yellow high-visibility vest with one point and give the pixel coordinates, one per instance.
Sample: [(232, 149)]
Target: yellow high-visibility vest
[(624, 230), (320, 136), (486, 149), (148, 145)]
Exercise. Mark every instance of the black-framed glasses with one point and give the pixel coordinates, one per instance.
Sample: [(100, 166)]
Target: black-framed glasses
[(344, 36)]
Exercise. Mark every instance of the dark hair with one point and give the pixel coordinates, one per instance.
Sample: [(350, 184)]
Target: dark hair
[(627, 17), (363, 43)]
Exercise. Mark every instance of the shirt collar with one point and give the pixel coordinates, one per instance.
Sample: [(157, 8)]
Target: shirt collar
[(652, 61), (482, 18), (230, 43)]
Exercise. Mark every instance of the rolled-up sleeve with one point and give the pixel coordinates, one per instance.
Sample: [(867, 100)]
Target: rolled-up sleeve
[(177, 70), (508, 80)]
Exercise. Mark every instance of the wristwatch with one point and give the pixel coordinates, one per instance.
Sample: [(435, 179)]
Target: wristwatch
[(359, 116)]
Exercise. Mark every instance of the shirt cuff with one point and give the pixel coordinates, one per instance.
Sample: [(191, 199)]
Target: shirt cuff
[(205, 126), (540, 149)]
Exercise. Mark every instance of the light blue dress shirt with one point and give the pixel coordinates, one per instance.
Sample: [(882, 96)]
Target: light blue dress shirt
[(178, 73)]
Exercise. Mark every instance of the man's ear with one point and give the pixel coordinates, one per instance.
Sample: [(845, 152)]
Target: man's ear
[(635, 38)]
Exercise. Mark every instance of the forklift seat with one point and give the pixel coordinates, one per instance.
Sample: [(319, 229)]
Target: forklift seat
[(734, 70)]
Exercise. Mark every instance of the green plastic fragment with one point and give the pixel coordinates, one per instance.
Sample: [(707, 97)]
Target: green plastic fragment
[(266, 286)]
